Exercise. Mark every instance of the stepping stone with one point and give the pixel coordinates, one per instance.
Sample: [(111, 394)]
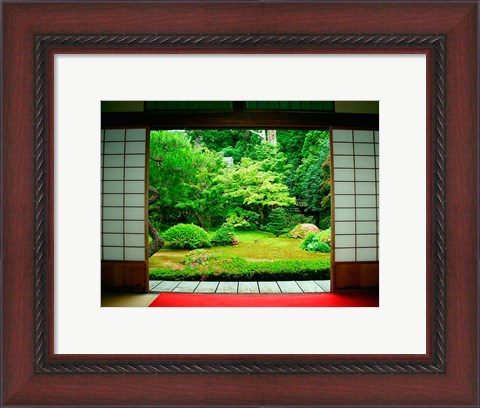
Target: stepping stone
[(269, 287), (227, 287), (289, 287), (165, 286), (154, 284), (206, 287), (309, 286), (247, 287), (324, 284), (186, 287)]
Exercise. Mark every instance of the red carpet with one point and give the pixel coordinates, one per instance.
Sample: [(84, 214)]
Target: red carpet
[(354, 299)]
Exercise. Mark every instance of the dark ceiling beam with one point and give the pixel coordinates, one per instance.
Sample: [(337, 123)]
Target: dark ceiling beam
[(239, 120)]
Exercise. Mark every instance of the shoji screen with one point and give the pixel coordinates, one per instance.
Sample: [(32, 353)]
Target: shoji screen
[(124, 211), (355, 201)]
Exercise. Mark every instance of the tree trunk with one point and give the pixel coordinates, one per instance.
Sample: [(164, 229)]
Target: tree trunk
[(157, 241), (272, 137), (200, 220)]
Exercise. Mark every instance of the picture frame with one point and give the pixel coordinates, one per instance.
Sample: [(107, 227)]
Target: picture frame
[(33, 375)]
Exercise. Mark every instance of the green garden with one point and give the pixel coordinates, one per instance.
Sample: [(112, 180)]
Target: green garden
[(239, 205)]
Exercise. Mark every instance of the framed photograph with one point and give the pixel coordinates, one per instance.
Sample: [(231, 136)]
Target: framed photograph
[(66, 65)]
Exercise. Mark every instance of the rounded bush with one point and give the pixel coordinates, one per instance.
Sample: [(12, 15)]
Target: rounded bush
[(301, 231), (187, 236), (326, 236), (225, 236), (313, 243)]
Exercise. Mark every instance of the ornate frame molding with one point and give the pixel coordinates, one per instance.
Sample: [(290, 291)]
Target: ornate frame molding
[(42, 218)]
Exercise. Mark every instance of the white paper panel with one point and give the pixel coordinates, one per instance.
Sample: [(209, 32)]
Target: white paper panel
[(137, 240), (112, 213), (136, 134), (134, 213), (113, 187), (342, 135), (366, 201), (344, 201), (136, 160), (112, 253), (113, 161), (364, 162), (113, 174), (135, 147), (364, 214), (115, 135), (134, 226), (344, 241), (364, 175), (134, 200), (113, 239), (344, 161), (366, 240), (367, 227), (364, 148), (363, 136), (343, 174), (113, 226), (365, 188), (112, 200), (134, 186), (342, 148), (343, 187), (366, 254), (134, 254), (344, 214), (375, 136), (113, 147), (345, 255), (344, 228), (135, 174)]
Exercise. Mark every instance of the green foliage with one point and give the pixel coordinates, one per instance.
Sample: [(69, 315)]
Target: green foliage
[(277, 222), (183, 175), (207, 265), (187, 236), (326, 236), (301, 231), (242, 219), (247, 184), (225, 236), (326, 222), (314, 243)]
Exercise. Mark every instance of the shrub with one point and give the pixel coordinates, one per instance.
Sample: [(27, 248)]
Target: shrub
[(313, 243), (207, 265), (225, 236), (295, 219), (277, 222), (302, 230), (326, 236), (187, 236), (325, 223), (242, 219)]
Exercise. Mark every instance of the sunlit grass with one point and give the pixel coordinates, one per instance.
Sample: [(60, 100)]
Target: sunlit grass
[(253, 246)]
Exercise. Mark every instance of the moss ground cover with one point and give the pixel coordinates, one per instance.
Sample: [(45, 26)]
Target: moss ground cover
[(258, 256)]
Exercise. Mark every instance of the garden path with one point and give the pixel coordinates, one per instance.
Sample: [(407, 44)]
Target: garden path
[(311, 286)]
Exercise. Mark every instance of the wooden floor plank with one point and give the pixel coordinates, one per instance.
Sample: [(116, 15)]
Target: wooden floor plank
[(289, 287), (268, 287), (309, 286), (206, 287), (154, 284), (227, 287), (186, 287), (166, 286), (324, 284), (247, 287)]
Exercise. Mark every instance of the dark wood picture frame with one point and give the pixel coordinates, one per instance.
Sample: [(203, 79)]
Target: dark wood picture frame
[(33, 375)]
